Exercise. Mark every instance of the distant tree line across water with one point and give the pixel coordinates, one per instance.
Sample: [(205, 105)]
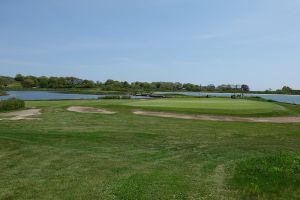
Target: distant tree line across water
[(113, 85), (284, 90)]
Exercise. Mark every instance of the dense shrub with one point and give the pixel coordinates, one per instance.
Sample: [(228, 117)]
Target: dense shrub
[(115, 97), (2, 93), (11, 104)]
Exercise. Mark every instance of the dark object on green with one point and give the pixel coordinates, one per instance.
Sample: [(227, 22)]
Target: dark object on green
[(115, 97)]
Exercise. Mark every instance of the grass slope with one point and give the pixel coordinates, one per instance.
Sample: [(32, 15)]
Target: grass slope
[(69, 155), (220, 106)]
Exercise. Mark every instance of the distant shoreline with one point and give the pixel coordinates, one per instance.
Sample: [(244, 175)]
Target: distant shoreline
[(97, 91)]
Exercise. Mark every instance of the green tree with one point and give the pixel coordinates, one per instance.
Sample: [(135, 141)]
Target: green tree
[(286, 89), (28, 83), (43, 82), (245, 88), (87, 84), (3, 82), (19, 77)]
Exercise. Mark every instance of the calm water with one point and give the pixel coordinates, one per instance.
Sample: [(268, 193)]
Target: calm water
[(44, 95), (294, 99)]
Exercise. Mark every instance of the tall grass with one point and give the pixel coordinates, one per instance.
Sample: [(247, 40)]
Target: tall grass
[(269, 177), (11, 104)]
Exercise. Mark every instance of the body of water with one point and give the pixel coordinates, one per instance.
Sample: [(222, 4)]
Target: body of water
[(294, 99), (46, 95), (49, 95)]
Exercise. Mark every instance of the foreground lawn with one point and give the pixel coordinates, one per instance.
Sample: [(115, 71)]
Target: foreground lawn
[(68, 155)]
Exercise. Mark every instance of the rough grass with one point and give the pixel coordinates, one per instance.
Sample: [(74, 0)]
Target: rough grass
[(160, 184), (274, 176), (69, 155)]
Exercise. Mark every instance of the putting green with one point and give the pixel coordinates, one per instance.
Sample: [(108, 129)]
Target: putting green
[(210, 106)]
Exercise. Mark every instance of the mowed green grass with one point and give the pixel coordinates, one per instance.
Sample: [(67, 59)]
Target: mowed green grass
[(223, 106), (69, 155)]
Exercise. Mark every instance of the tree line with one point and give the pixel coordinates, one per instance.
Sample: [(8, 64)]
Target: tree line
[(113, 85), (284, 90)]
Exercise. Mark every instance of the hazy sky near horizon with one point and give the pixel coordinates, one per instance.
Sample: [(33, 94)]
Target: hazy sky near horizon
[(199, 41)]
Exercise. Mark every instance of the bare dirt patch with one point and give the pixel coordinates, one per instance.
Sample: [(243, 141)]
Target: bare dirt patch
[(220, 118), (84, 109), (22, 114)]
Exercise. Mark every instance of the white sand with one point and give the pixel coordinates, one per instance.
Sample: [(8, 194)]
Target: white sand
[(83, 109), (220, 118)]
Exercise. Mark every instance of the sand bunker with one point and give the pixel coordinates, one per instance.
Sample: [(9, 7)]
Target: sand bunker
[(22, 114), (220, 118), (83, 109)]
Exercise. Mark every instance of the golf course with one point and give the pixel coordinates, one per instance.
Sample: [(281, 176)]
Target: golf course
[(149, 100), (107, 149)]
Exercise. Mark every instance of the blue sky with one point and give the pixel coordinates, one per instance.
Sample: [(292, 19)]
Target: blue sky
[(200, 41)]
